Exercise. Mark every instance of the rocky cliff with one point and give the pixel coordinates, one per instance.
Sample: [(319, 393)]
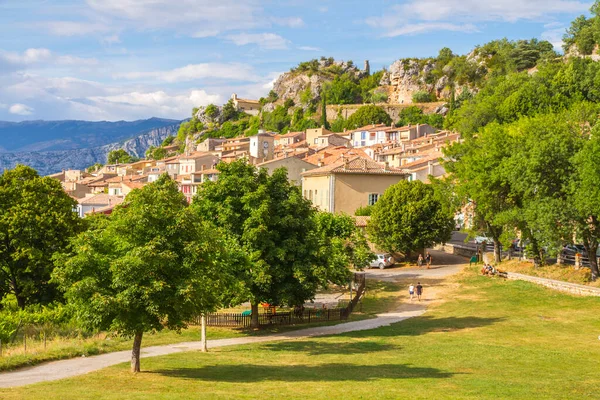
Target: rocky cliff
[(49, 162), (313, 74)]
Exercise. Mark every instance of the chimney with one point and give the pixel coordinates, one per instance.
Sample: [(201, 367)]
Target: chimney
[(320, 164), (430, 168), (418, 126)]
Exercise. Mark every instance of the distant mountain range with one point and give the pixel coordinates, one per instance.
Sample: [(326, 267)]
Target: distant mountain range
[(51, 146)]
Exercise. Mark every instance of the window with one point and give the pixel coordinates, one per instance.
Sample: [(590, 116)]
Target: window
[(310, 195), (363, 135), (373, 197), (316, 140)]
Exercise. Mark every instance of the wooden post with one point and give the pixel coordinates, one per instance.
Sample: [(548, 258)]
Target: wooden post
[(203, 346)]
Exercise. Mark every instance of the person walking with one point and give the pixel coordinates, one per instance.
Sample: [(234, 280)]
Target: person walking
[(411, 291), (428, 260), (420, 260), (419, 290)]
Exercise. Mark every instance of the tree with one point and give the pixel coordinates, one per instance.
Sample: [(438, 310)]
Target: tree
[(230, 113), (324, 121), (585, 198), (36, 221), (423, 97), (119, 156), (151, 265), (156, 153), (367, 115), (168, 141), (409, 217), (275, 227), (343, 90), (342, 243)]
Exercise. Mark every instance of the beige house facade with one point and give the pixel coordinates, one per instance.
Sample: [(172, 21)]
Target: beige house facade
[(346, 186)]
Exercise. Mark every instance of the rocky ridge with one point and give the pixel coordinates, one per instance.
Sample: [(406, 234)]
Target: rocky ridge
[(49, 162)]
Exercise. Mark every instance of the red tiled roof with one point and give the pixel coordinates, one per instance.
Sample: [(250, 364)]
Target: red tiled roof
[(356, 165)]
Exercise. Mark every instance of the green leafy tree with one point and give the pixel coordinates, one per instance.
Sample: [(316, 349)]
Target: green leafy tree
[(275, 227), (156, 153), (342, 90), (585, 198), (364, 211), (366, 115), (324, 121), (409, 217), (119, 156), (151, 265), (168, 141), (477, 167), (342, 243), (36, 221), (423, 97), (230, 113)]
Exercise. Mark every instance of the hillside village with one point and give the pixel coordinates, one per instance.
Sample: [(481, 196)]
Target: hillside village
[(338, 172)]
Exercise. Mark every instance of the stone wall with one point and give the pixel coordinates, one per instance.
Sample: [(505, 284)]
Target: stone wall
[(567, 287), (457, 250), (392, 109)]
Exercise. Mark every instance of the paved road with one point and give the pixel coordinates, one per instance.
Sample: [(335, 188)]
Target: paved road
[(444, 265)]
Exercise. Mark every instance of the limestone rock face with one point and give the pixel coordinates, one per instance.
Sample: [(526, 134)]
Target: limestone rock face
[(49, 162), (291, 85), (407, 77), (205, 119)]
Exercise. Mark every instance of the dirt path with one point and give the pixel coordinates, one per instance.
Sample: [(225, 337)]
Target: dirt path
[(446, 265)]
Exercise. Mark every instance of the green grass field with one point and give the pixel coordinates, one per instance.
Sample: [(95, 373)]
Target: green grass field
[(382, 297), (490, 339)]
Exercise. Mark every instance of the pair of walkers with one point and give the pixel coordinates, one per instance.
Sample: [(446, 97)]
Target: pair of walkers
[(427, 260), (419, 290)]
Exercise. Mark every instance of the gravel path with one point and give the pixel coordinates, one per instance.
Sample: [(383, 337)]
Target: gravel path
[(72, 367)]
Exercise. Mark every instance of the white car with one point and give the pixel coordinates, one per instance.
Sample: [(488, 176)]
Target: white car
[(381, 261)]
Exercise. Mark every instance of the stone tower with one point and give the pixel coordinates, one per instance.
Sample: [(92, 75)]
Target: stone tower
[(367, 68)]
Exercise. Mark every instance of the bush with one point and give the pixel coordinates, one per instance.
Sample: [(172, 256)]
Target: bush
[(423, 97), (363, 211), (367, 115)]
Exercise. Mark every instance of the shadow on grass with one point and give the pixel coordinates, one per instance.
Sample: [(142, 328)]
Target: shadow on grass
[(422, 325), (317, 348), (299, 373)]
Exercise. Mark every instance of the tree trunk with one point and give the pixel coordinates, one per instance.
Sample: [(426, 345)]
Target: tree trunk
[(254, 319), (537, 253), (204, 348), (17, 292), (135, 354), (497, 251)]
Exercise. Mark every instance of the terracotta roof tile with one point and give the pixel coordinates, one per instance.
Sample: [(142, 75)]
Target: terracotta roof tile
[(356, 165)]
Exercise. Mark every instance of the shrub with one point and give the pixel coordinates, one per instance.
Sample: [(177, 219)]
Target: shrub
[(423, 97)]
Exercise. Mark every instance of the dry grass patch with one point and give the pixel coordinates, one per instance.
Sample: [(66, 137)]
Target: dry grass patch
[(566, 273)]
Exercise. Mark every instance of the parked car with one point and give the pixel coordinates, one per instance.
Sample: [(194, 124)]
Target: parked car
[(381, 261)]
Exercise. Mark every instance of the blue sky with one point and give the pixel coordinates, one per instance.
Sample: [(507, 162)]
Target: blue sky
[(132, 59)]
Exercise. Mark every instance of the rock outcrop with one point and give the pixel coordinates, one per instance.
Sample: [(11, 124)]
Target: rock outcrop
[(291, 85)]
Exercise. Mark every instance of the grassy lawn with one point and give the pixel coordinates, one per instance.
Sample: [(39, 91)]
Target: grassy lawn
[(566, 273), (379, 299), (491, 339)]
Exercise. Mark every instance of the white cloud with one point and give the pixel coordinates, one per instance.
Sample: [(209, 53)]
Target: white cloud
[(190, 17), (231, 71), (292, 22), (270, 41), (424, 27), (72, 28), (20, 109), (309, 48), (109, 40), (417, 16), (42, 56), (554, 34)]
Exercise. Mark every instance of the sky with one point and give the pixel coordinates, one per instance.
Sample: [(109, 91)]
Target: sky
[(135, 59)]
